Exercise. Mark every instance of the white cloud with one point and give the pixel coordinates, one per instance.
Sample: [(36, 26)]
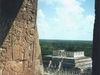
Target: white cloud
[(43, 26), (69, 22), (40, 14), (48, 1)]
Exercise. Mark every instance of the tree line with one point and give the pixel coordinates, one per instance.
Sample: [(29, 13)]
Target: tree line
[(47, 46)]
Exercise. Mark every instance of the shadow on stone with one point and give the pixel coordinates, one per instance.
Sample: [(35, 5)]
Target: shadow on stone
[(8, 12)]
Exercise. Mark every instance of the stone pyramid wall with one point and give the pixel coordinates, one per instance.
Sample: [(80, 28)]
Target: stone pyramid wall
[(19, 45)]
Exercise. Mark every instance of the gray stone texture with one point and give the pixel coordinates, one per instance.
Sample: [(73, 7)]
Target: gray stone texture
[(19, 45)]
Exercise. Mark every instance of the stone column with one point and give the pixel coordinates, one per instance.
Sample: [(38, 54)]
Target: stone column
[(19, 45), (96, 40)]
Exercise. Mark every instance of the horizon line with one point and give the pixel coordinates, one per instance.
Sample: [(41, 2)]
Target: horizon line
[(66, 39)]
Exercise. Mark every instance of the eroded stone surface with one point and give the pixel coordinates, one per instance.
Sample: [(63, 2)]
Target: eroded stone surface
[(20, 51)]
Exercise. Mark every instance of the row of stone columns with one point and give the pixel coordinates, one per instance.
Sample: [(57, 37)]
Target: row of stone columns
[(20, 52)]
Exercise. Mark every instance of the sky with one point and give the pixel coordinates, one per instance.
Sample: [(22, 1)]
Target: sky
[(65, 19)]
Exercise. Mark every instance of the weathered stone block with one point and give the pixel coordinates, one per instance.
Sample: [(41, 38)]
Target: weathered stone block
[(19, 45)]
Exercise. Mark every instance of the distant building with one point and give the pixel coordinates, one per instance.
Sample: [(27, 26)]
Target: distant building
[(67, 59), (64, 53), (61, 53), (75, 54)]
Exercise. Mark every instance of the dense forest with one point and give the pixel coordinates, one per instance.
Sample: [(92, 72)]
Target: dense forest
[(47, 46)]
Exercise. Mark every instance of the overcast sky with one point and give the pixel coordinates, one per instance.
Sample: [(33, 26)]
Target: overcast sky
[(65, 19)]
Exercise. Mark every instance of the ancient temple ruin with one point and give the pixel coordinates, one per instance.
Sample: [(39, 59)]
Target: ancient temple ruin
[(19, 45), (61, 59)]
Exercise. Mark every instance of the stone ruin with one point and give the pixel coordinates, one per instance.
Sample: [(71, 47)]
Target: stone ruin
[(19, 45)]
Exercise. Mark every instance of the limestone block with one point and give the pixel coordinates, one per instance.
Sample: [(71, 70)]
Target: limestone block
[(20, 52)]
